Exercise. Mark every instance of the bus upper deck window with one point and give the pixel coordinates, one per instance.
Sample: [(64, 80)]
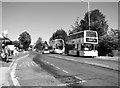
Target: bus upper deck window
[(91, 34)]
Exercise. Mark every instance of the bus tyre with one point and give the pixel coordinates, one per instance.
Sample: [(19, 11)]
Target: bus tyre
[(67, 53)]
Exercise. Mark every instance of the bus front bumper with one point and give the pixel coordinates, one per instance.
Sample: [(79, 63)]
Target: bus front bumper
[(89, 53)]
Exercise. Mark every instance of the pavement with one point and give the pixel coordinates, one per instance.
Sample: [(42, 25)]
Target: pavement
[(116, 58), (4, 71)]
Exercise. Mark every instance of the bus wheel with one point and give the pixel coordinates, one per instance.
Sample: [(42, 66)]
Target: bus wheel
[(68, 54)]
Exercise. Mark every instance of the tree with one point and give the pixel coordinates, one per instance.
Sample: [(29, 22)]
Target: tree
[(39, 44), (109, 42), (25, 40), (97, 22), (59, 34), (76, 27), (16, 43)]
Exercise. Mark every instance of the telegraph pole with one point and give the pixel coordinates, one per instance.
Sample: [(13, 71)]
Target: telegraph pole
[(89, 13), (88, 5)]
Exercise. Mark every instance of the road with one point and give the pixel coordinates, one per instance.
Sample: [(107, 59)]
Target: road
[(35, 69), (94, 76), (25, 72)]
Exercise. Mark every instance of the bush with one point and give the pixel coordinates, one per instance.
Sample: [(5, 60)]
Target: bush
[(111, 54)]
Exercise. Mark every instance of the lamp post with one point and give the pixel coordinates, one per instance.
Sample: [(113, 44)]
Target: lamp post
[(88, 5), (89, 13)]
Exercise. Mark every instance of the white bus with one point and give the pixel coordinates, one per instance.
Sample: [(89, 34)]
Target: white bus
[(57, 46), (82, 43)]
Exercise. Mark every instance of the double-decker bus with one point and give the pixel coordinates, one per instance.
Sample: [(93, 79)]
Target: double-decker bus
[(57, 46), (82, 43)]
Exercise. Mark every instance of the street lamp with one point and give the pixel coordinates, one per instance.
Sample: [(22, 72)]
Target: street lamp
[(89, 13), (88, 5)]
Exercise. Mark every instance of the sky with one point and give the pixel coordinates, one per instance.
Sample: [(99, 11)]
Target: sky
[(42, 19)]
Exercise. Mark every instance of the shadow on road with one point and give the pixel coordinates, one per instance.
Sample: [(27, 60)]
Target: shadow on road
[(64, 79)]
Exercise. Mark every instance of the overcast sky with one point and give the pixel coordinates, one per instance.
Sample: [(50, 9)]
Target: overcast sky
[(41, 19)]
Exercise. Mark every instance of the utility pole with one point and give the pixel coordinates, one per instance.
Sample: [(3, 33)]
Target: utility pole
[(89, 13), (88, 5)]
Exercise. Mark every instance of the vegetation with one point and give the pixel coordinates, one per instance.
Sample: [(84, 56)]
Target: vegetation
[(25, 40), (59, 34), (107, 41), (97, 23), (16, 43), (39, 44)]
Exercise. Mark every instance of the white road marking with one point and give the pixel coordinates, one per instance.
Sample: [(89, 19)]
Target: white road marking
[(62, 84), (12, 63), (75, 60), (13, 77), (57, 67), (47, 62), (12, 73), (52, 64), (80, 79), (65, 71), (97, 64), (32, 64)]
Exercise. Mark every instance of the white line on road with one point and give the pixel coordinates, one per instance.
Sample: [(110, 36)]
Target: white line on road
[(52, 64), (80, 79), (32, 64), (57, 67), (65, 71), (97, 64), (11, 64), (47, 62), (13, 77), (12, 73)]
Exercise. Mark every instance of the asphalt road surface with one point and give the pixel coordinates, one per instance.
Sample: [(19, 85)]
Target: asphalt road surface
[(93, 75), (35, 69)]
